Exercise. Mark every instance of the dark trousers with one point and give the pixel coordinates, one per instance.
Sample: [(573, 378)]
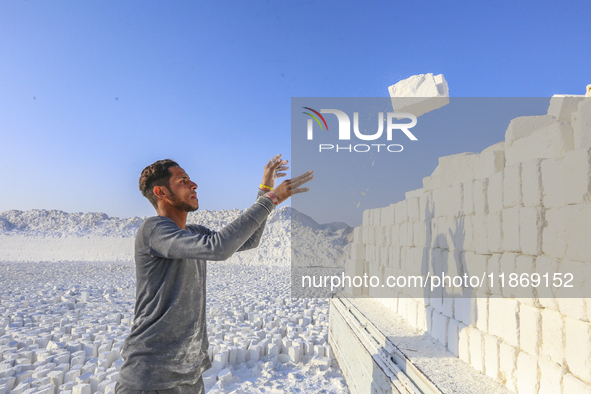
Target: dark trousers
[(197, 388)]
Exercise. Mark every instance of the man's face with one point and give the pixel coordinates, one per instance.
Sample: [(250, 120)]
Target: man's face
[(183, 191)]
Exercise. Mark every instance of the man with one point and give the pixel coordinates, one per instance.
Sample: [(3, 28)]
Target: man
[(167, 347)]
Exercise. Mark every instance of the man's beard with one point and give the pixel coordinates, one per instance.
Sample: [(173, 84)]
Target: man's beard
[(182, 206)]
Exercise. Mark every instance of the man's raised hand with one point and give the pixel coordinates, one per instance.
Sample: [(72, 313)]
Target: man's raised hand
[(289, 187), (272, 170)]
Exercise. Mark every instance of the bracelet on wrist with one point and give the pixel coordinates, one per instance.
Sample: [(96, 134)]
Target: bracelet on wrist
[(265, 188), (272, 196)]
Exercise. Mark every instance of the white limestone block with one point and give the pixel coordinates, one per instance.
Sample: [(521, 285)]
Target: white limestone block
[(507, 266), (71, 375), (447, 233), (447, 302), (9, 382), (481, 305), (81, 389), (553, 345), (448, 201), (525, 126), (578, 348), (530, 328), (84, 378), (468, 197), (402, 304), (358, 235), (428, 314), (253, 354), (577, 227), (512, 195), (45, 389), (494, 231), (464, 233), (551, 376), (527, 374), (85, 296), (385, 236), (421, 315), (474, 264), (375, 217), (357, 252), (531, 183), (411, 312), (563, 105), (419, 94), (395, 256), (581, 123), (554, 234), (464, 342), (492, 160), (550, 265), (401, 215), (525, 265), (481, 196), (465, 310), (294, 353), (476, 349), (413, 209), (232, 354), (571, 384), (426, 206), (453, 336), (410, 240), (366, 218), (491, 356), (531, 224), (95, 380), (454, 169), (403, 234), (421, 233), (553, 182), (385, 218), (369, 253), (508, 365), (241, 355), (19, 389), (395, 234), (511, 229), (439, 328), (577, 176), (319, 351), (209, 381), (495, 192), (552, 141), (225, 375), (504, 319)]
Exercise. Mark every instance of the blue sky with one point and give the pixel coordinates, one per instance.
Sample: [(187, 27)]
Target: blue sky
[(93, 91)]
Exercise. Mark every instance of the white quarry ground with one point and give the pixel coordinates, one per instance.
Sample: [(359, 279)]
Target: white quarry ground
[(63, 323)]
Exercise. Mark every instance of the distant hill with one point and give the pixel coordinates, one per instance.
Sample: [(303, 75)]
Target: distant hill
[(51, 235)]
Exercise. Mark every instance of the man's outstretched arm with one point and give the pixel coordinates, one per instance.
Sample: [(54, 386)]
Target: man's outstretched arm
[(169, 241), (273, 170)]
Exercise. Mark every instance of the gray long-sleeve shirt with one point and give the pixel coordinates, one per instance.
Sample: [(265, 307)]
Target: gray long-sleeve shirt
[(168, 342)]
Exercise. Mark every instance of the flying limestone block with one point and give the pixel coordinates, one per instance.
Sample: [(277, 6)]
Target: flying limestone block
[(419, 94)]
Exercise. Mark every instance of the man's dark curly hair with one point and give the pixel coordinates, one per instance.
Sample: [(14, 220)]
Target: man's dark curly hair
[(156, 174)]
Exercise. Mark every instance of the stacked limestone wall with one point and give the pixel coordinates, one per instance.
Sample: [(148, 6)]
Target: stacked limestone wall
[(519, 204)]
